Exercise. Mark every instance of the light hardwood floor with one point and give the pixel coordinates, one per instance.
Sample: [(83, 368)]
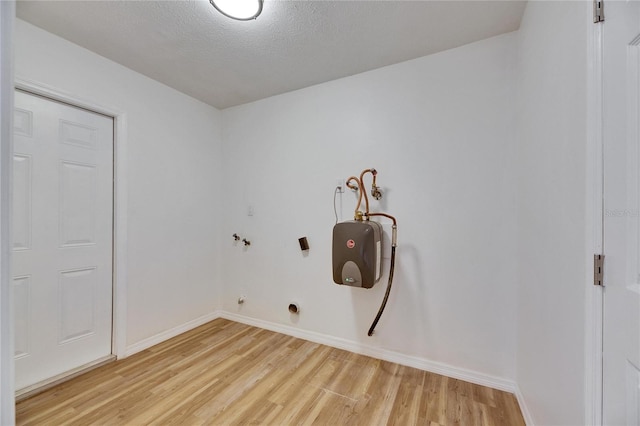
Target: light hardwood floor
[(229, 373)]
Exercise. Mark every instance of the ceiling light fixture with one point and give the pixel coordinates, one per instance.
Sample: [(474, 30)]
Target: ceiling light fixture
[(242, 10)]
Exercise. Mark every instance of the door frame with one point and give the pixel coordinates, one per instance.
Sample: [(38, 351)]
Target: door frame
[(119, 284), (594, 232), (7, 401)]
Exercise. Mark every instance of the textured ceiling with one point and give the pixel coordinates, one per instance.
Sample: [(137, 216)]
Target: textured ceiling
[(293, 44)]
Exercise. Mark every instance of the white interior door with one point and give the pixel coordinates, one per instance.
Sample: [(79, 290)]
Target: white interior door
[(621, 350), (62, 238)]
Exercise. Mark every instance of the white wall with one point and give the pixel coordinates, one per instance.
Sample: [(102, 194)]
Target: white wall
[(173, 174), (476, 194), (552, 46), (440, 131), (7, 403)]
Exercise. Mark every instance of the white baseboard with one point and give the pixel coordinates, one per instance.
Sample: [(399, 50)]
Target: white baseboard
[(528, 420), (168, 334), (348, 345), (386, 355)]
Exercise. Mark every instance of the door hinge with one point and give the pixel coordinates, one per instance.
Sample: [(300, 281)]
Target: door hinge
[(598, 11), (598, 269)]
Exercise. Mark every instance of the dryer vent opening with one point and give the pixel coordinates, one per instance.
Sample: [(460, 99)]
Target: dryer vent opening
[(294, 308)]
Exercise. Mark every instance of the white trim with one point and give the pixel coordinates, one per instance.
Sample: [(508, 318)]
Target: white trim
[(324, 339), (168, 334), (374, 352), (39, 387), (7, 383), (120, 239), (594, 223), (120, 201), (526, 413)]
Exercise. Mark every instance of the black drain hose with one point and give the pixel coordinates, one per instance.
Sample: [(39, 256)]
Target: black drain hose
[(386, 294)]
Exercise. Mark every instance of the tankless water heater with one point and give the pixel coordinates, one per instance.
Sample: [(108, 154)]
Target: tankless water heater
[(357, 253)]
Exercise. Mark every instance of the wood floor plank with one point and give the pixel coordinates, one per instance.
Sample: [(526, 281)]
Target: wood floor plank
[(226, 373), (298, 407), (405, 409), (434, 403), (301, 377)]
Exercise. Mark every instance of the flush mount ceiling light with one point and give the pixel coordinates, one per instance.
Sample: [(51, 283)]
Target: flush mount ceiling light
[(242, 10)]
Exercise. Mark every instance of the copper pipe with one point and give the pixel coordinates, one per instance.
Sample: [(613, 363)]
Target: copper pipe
[(355, 188), (394, 227), (363, 193), (394, 232), (366, 197), (385, 215)]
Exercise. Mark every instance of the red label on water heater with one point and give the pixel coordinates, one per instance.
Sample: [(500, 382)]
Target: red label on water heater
[(351, 244)]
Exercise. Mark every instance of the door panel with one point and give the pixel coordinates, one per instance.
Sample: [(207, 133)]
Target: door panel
[(621, 350), (633, 395), (21, 287), (78, 194), (62, 237), (76, 303), (22, 202)]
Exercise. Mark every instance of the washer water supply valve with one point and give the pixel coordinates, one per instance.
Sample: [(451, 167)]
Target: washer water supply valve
[(357, 244), (236, 238)]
